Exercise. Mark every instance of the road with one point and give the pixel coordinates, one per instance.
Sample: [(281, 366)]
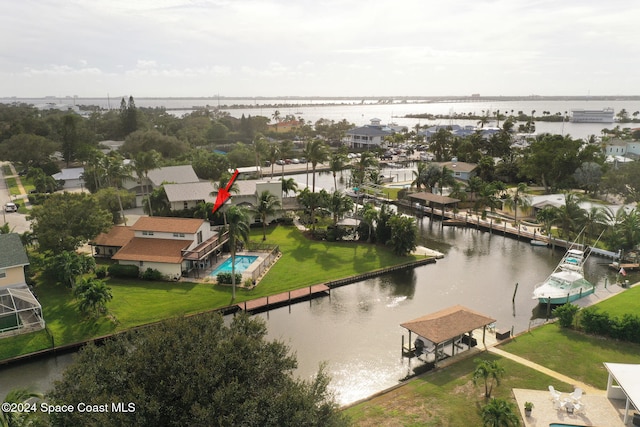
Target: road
[(17, 222)]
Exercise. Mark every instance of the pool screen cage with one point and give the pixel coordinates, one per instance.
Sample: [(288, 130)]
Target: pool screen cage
[(20, 311)]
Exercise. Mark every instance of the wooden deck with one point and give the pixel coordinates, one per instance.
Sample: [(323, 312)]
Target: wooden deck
[(272, 301)]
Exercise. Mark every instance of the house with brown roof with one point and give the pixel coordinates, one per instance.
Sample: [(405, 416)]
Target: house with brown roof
[(107, 244), (173, 246)]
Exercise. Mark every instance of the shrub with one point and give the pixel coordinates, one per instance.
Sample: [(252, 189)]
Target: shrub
[(124, 271), (225, 278), (101, 272), (152, 274), (566, 314)]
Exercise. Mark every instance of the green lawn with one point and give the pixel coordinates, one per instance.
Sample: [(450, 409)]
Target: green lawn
[(306, 262), (139, 302), (446, 397), (626, 303), (572, 353)]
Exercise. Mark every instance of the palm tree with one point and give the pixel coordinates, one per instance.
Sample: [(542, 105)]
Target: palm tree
[(276, 118), (339, 204), (222, 183), (289, 185), (337, 163), (203, 209), (117, 172), (369, 216), (317, 153), (273, 153), (267, 204), (93, 295), (518, 199), (420, 175), (594, 219), (547, 216), (490, 372), (570, 216), (238, 229), (19, 395), (146, 161), (367, 161), (499, 413), (445, 179)]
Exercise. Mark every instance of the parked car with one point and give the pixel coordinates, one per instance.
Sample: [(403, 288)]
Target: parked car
[(280, 162), (11, 207), (295, 161)]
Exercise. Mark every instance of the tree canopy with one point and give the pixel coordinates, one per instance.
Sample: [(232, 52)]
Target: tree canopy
[(195, 371), (65, 221)]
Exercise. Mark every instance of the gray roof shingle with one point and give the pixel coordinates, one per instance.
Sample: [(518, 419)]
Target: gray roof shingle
[(12, 252)]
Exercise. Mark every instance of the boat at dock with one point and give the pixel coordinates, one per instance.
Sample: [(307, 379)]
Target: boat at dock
[(566, 283)]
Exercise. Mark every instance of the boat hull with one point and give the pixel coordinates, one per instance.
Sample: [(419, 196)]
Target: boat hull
[(564, 299)]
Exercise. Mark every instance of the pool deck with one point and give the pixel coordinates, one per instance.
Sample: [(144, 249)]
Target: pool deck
[(599, 410)]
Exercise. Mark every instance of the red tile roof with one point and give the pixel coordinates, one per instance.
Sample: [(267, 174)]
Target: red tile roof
[(153, 250), (167, 225)]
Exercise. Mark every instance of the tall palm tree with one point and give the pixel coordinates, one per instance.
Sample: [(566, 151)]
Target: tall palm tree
[(570, 216), (595, 219), (369, 216), (367, 161), (274, 154), (337, 163), (490, 372), (339, 204), (267, 204), (238, 228), (518, 199), (289, 185), (445, 179), (222, 183), (146, 161), (318, 153), (547, 216), (499, 413), (116, 172), (420, 175)]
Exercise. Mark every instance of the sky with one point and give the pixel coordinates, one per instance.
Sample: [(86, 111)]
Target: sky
[(205, 48)]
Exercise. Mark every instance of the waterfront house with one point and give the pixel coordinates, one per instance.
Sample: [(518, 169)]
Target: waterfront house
[(173, 246), (284, 126), (369, 136), (20, 311), (460, 170)]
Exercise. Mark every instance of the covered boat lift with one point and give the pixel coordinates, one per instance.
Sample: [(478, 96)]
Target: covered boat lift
[(449, 327)]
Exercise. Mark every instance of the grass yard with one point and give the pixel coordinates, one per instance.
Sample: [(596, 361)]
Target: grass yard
[(305, 262), (446, 397), (554, 347), (628, 302), (139, 302)]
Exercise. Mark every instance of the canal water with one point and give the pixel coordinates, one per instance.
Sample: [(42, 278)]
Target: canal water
[(356, 330)]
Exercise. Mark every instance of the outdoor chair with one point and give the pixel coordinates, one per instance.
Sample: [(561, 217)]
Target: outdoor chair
[(576, 395), (555, 395)]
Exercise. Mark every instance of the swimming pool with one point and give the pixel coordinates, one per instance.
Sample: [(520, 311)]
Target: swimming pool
[(242, 263)]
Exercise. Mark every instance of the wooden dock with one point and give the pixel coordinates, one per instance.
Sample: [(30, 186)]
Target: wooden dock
[(284, 298)]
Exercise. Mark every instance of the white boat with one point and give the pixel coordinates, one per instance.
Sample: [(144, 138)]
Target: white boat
[(567, 282), (592, 116)]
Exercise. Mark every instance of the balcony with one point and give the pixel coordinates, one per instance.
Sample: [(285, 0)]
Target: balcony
[(205, 248)]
